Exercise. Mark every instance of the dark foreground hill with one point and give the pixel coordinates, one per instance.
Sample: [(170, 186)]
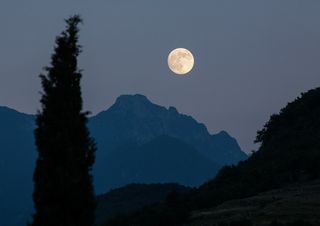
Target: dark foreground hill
[(133, 197), (289, 153), (293, 203), (289, 156), (138, 142)]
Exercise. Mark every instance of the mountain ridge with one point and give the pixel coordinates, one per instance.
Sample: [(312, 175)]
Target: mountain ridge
[(17, 133), (279, 182), (165, 121)]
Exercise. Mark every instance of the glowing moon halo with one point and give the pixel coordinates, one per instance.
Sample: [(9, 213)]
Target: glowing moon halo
[(180, 61)]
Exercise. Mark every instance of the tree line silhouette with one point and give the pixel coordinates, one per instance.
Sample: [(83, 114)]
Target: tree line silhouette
[(63, 192)]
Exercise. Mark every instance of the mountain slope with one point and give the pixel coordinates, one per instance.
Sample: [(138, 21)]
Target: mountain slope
[(289, 204), (289, 157), (134, 120), (132, 197), (120, 131), (16, 165), (289, 153), (161, 160)]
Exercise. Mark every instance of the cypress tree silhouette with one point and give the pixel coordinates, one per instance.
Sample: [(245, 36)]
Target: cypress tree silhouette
[(63, 193)]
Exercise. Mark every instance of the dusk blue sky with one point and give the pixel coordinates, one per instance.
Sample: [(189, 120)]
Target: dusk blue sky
[(252, 56)]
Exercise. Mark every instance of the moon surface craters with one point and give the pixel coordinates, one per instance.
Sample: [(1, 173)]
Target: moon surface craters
[(181, 61)]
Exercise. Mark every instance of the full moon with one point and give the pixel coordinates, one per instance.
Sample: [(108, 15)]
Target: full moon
[(180, 61)]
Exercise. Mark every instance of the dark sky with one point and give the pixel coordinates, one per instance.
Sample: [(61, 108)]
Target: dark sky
[(252, 56)]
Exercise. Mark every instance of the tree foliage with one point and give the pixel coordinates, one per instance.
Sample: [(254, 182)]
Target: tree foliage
[(289, 153), (63, 193)]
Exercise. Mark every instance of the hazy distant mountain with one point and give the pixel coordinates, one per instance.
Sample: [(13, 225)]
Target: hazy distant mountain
[(163, 159), (16, 165), (133, 136), (134, 120)]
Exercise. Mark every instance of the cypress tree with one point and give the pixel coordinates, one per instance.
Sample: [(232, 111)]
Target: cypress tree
[(63, 191)]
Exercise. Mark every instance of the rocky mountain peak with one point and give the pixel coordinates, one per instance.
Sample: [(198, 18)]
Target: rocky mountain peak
[(136, 104), (136, 98)]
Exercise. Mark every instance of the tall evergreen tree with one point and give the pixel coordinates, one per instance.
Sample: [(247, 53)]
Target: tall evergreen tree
[(63, 193)]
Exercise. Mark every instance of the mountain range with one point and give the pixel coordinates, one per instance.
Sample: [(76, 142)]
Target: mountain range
[(138, 142), (133, 125), (278, 185)]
